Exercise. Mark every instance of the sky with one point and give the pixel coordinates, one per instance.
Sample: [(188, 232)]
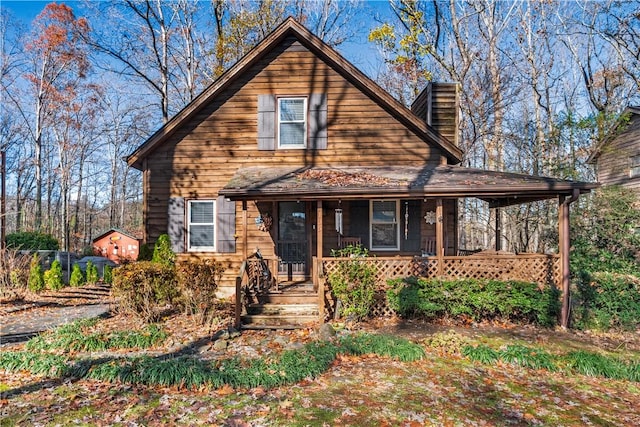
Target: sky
[(359, 51)]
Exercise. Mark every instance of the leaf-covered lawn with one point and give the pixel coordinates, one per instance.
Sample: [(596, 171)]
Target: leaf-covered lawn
[(356, 390), (443, 388)]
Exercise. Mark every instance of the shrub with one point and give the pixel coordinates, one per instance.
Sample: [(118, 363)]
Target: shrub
[(145, 253), (479, 299), (53, 276), (107, 274), (36, 279), (92, 273), (353, 282), (144, 289), (162, 253), (607, 300), (197, 283), (14, 274), (30, 240), (77, 277)]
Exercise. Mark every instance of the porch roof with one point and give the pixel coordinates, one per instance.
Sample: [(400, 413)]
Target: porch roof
[(356, 182)]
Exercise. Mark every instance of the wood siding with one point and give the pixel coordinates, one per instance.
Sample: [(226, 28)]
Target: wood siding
[(202, 156), (438, 106), (614, 162)]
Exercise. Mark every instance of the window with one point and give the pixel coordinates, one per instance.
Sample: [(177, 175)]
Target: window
[(385, 233), (634, 167), (292, 122), (201, 225)]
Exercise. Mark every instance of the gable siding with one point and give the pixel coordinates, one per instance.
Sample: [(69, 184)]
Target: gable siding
[(613, 164), (202, 156)]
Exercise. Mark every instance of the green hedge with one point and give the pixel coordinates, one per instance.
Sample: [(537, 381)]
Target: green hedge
[(607, 300), (478, 299)]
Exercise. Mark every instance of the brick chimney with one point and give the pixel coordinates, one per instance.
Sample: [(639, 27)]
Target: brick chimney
[(438, 105)]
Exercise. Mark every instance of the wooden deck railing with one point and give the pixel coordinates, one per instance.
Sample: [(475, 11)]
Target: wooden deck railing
[(537, 268)]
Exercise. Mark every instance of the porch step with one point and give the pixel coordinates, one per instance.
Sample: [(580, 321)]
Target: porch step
[(294, 305), (283, 309)]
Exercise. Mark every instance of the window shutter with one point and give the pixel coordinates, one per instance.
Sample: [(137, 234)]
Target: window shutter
[(226, 224), (176, 224), (266, 122), (359, 221), (412, 243), (318, 121)]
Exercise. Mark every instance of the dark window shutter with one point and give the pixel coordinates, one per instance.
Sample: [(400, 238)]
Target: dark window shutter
[(412, 242), (266, 122), (226, 224), (318, 121), (359, 220), (176, 224)]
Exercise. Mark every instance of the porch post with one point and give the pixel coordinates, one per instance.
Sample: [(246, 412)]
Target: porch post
[(498, 230), (563, 248), (319, 232), (245, 251), (439, 236)]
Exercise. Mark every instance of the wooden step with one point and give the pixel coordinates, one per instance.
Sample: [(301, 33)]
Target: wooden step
[(288, 298), (283, 309), (262, 321)]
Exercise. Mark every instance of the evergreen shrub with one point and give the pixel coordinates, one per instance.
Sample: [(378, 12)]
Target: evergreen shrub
[(162, 252), (53, 277), (77, 277), (478, 299), (36, 279)]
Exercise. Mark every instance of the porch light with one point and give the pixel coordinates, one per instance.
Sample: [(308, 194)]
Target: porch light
[(430, 217)]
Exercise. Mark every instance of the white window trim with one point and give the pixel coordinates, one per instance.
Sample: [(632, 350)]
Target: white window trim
[(214, 223), (634, 166), (371, 222), (306, 122)]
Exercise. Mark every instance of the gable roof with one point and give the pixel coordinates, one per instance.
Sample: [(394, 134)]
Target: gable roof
[(290, 27), (115, 230), (597, 151)]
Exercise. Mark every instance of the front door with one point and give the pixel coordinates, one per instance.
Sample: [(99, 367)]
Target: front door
[(292, 239)]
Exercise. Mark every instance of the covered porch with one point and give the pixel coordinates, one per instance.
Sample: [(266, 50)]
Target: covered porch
[(406, 218)]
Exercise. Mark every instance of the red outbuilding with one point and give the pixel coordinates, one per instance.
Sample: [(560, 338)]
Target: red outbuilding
[(117, 245)]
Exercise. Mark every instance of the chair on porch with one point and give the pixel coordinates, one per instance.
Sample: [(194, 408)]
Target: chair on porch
[(349, 241), (429, 248)]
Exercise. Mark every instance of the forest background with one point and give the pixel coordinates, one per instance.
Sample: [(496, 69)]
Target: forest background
[(84, 83)]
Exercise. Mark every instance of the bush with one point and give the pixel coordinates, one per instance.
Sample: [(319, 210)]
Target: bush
[(144, 289), (607, 300), (30, 240), (53, 276), (107, 274), (603, 232), (92, 273), (77, 277), (354, 281), (145, 253), (162, 253), (14, 274), (479, 299), (197, 283), (36, 279)]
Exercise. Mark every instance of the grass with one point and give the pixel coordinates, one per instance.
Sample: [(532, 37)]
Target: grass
[(287, 367), (73, 338)]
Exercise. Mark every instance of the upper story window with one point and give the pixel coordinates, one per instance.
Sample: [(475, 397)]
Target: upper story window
[(292, 122), (201, 227), (634, 167), (385, 232)]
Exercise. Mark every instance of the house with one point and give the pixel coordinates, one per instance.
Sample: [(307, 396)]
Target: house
[(617, 159), (293, 150), (117, 245)]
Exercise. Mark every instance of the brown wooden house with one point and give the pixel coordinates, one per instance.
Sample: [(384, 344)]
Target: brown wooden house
[(295, 152), (617, 159)]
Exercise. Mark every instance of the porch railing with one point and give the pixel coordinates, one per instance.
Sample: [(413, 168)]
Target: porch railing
[(537, 268)]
